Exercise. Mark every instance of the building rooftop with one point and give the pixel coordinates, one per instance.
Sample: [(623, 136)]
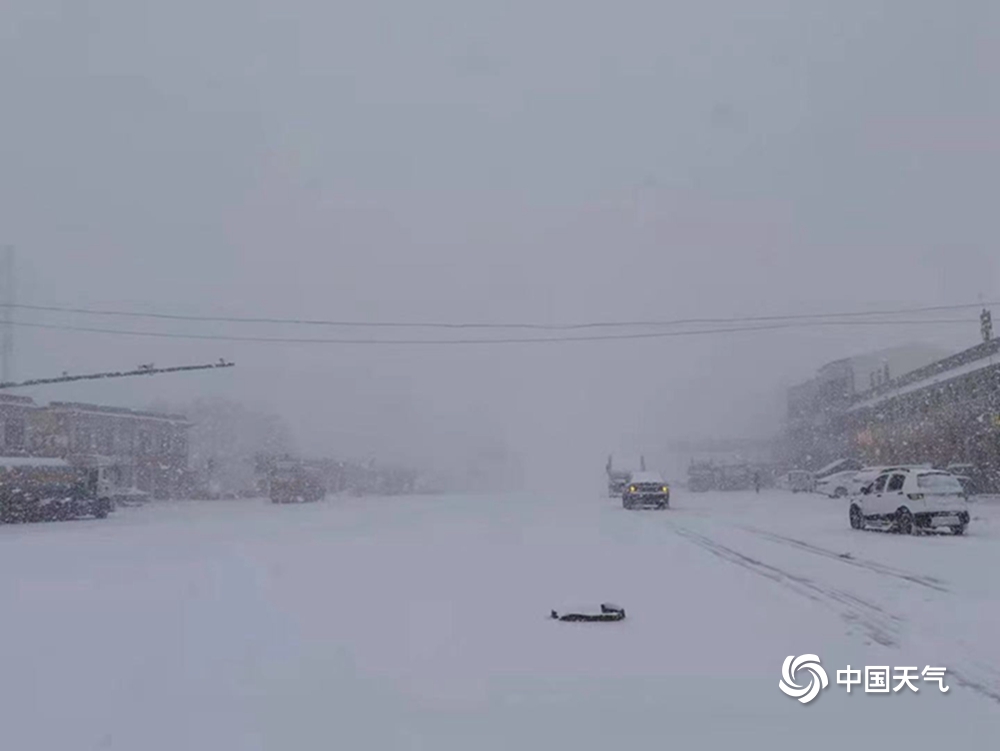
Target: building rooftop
[(976, 358), (902, 360), (123, 411), (16, 399), (979, 355)]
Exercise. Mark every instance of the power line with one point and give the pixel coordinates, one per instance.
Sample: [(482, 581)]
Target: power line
[(472, 325), (503, 340), (143, 370)]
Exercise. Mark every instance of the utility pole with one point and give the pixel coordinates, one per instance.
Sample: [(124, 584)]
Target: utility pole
[(7, 301)]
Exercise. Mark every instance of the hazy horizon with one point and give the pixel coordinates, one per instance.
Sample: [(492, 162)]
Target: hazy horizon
[(549, 162)]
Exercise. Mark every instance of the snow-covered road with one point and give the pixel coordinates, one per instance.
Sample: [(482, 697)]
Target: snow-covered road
[(422, 623)]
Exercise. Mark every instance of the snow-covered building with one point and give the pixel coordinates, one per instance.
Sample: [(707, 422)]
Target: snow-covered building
[(15, 416), (811, 439), (145, 450), (837, 383), (945, 412)]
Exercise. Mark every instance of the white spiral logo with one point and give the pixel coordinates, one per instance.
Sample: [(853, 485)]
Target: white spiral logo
[(817, 682)]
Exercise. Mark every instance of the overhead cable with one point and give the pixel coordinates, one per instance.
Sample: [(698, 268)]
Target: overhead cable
[(495, 325), (472, 341)]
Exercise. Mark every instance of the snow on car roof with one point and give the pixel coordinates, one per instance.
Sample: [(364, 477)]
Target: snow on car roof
[(829, 468), (890, 467), (839, 475), (646, 477)]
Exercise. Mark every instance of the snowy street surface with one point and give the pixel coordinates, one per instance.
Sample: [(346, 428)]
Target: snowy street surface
[(423, 623)]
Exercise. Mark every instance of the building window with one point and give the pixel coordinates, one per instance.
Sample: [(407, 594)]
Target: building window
[(14, 434), (106, 445), (81, 439), (126, 439)]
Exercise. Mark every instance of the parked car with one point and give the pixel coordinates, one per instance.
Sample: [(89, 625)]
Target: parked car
[(841, 465), (968, 485), (908, 500), (837, 485), (801, 481), (972, 477), (130, 497), (293, 482), (646, 489)]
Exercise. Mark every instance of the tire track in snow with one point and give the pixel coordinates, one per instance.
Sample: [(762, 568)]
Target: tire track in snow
[(990, 691), (924, 581), (880, 625)]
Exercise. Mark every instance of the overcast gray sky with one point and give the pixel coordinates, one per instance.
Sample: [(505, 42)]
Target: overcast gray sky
[(495, 161)]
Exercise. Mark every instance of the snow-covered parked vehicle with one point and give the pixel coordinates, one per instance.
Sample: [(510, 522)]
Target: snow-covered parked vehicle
[(293, 482), (968, 485), (912, 500), (837, 485), (973, 478), (840, 465), (645, 490), (35, 489), (799, 481), (130, 497)]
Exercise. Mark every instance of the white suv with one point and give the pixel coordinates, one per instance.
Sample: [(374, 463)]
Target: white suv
[(867, 475), (909, 500)]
